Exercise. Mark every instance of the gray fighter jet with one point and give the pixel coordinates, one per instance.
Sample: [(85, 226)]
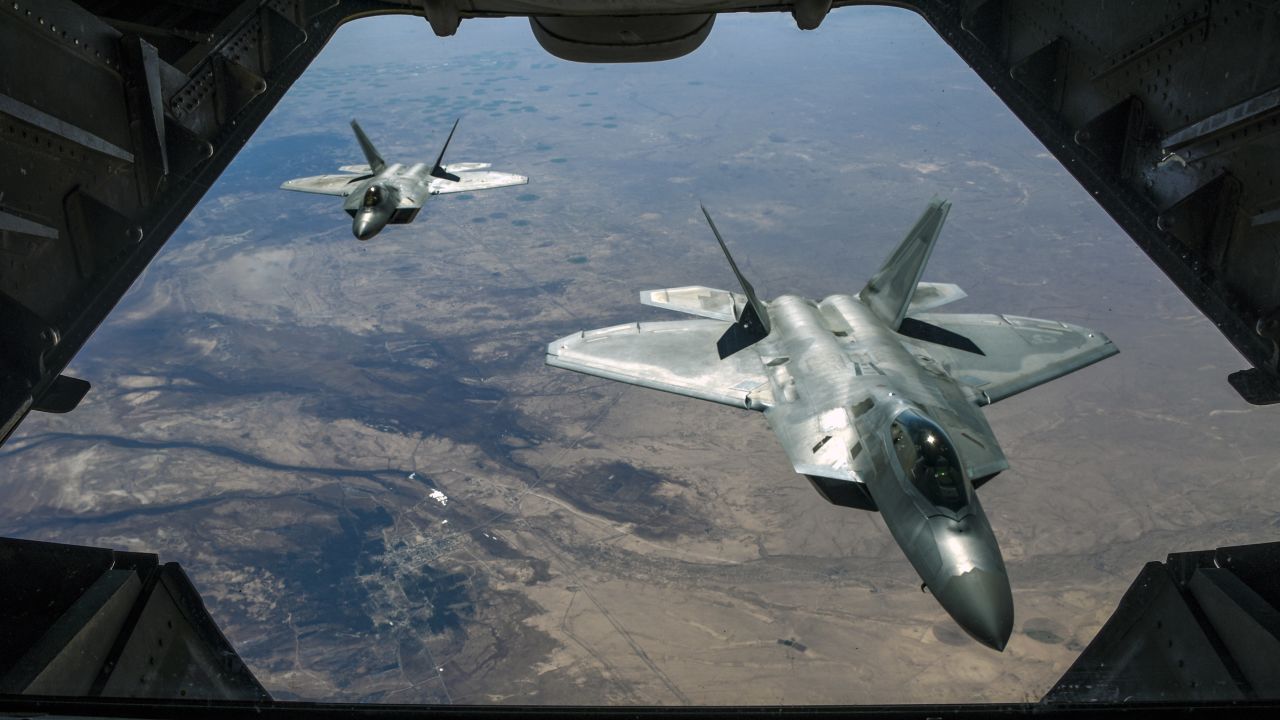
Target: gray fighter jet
[(379, 193), (874, 398)]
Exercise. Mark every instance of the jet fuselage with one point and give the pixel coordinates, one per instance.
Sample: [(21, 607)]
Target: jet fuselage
[(394, 195), (381, 193), (844, 385)]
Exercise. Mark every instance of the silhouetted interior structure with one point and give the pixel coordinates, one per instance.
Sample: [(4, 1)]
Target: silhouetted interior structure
[(1166, 112), (92, 622), (82, 622)]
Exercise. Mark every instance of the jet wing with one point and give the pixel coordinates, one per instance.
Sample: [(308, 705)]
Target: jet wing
[(678, 357), (1002, 355), (340, 185), (471, 181)]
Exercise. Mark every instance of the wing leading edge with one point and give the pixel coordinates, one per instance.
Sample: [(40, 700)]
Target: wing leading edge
[(677, 357), (340, 185)]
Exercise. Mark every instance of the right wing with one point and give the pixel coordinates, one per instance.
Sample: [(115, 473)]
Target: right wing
[(1002, 355), (678, 357), (340, 185), (479, 180)]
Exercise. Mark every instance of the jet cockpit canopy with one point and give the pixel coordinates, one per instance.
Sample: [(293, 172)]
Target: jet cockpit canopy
[(929, 459)]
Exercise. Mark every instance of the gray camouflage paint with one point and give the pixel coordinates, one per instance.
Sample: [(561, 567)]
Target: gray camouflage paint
[(838, 381), (381, 193)]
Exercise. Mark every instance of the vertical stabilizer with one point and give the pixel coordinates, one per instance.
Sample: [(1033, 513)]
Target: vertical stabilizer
[(438, 170), (753, 321), (890, 290), (376, 163)]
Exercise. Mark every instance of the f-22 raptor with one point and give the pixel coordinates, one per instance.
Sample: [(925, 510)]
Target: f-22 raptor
[(875, 399), (379, 194)]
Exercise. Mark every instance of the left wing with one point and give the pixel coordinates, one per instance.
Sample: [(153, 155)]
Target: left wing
[(340, 185), (480, 180), (678, 357), (1002, 355)]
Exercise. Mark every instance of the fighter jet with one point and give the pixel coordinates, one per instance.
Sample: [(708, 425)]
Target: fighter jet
[(379, 193), (875, 399)]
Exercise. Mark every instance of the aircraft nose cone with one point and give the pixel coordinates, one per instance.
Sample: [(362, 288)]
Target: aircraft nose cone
[(365, 228), (981, 603)]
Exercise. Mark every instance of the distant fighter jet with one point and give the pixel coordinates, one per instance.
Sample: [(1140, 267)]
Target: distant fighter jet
[(875, 400), (378, 193)]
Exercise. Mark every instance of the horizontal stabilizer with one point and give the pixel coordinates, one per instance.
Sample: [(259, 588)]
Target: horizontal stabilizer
[(357, 169), (929, 296), (889, 292), (696, 300), (466, 167)]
